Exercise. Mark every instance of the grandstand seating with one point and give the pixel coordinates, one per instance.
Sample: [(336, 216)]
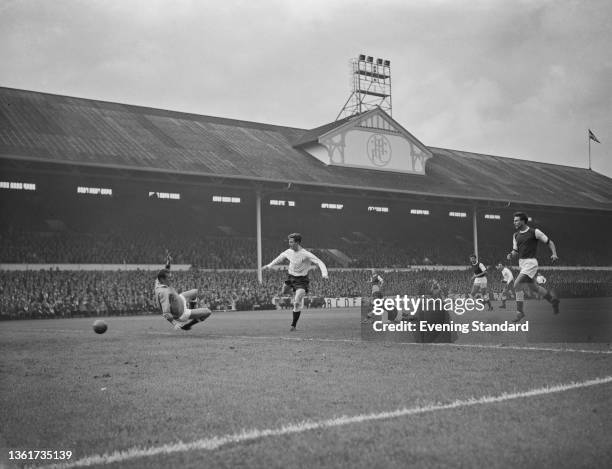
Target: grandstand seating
[(216, 252), (56, 294)]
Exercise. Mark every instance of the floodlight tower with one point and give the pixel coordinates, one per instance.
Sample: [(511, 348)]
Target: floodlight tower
[(371, 86)]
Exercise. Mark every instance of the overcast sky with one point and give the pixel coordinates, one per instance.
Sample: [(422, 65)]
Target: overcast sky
[(524, 79)]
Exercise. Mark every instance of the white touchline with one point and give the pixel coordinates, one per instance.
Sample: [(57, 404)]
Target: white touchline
[(449, 344), (316, 339), (215, 442), (518, 347)]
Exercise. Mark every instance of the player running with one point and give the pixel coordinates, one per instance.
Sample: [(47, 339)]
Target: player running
[(525, 245), (480, 280), (508, 278), (377, 283), (174, 306), (300, 262)]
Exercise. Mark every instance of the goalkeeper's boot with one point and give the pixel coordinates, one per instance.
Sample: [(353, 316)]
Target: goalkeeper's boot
[(187, 326)]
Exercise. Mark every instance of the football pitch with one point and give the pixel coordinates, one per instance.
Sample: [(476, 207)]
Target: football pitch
[(240, 390)]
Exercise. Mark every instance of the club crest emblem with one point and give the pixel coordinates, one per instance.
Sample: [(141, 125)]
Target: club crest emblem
[(379, 150)]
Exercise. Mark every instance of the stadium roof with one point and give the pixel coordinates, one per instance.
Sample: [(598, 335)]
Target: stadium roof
[(40, 127)]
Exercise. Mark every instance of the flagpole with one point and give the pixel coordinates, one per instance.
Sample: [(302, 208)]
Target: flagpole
[(589, 138)]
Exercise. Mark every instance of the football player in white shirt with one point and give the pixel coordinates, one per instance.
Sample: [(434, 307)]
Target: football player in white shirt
[(508, 283), (300, 262)]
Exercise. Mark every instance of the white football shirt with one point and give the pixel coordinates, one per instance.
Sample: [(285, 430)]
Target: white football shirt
[(300, 262)]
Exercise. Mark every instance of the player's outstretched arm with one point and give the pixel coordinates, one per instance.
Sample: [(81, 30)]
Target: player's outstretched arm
[(168, 317), (168, 260), (163, 299), (320, 263), (553, 250), (512, 254), (167, 314), (278, 260), (546, 240)]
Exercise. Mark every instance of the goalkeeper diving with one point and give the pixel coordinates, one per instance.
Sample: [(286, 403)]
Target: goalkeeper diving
[(174, 306)]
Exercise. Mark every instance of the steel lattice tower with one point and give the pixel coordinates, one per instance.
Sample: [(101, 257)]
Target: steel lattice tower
[(371, 86)]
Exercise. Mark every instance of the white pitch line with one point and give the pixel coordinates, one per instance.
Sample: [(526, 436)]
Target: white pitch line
[(317, 339), (215, 442), (518, 347), (357, 341)]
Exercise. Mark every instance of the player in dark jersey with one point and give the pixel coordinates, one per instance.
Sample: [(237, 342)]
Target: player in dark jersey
[(377, 282), (480, 280), (525, 245)]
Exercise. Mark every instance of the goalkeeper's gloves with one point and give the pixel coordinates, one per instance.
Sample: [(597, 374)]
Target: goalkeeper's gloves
[(168, 317)]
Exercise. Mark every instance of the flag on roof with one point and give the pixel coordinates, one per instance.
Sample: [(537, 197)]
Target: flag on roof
[(593, 137)]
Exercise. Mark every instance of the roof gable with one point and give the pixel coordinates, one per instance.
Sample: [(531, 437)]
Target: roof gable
[(372, 140)]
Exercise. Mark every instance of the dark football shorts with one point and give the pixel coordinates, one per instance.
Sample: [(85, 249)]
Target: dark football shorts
[(297, 282)]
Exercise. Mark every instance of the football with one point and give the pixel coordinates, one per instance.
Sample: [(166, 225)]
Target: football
[(99, 326)]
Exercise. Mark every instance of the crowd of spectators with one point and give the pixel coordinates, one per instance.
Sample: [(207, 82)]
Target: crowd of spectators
[(216, 252), (127, 248), (57, 294)]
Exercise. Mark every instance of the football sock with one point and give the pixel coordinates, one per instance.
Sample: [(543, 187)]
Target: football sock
[(296, 316), (504, 303), (519, 306), (548, 297)]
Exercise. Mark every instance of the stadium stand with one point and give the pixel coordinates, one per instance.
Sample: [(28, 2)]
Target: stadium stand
[(90, 182), (418, 242)]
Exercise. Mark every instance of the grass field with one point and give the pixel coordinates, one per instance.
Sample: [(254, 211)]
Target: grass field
[(240, 390)]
